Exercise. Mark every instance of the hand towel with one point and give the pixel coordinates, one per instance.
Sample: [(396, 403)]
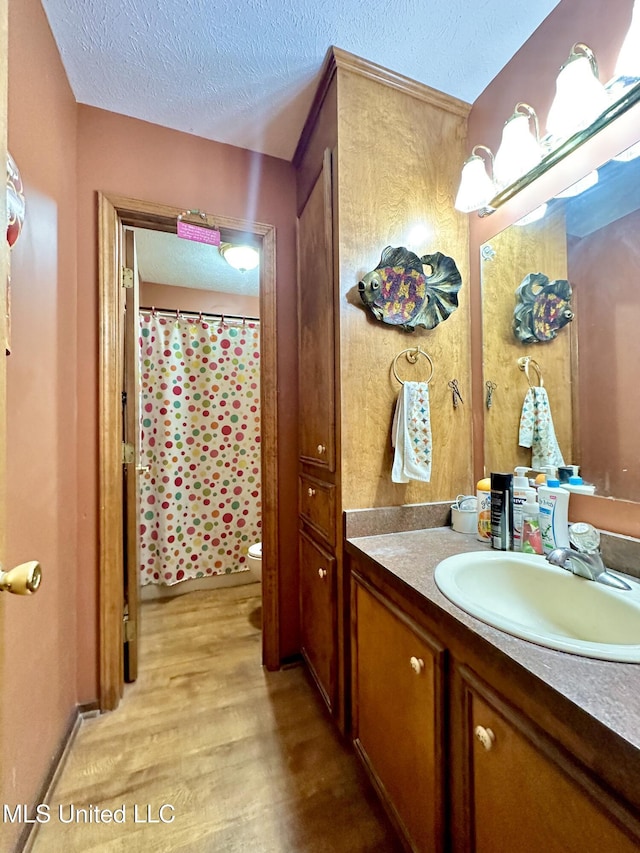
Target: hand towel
[(536, 429), (411, 434)]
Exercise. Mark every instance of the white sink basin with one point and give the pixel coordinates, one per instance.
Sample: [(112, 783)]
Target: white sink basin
[(527, 597)]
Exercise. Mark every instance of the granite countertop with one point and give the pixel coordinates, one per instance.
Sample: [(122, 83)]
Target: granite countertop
[(607, 691)]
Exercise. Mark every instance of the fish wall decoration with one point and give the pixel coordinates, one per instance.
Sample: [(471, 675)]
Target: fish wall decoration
[(400, 293), (543, 307)]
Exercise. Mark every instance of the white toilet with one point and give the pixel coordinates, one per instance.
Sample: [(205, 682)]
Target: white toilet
[(255, 560)]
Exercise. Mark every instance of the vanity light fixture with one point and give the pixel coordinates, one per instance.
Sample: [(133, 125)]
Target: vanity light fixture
[(520, 149), (476, 187), (241, 258), (580, 96), (629, 153), (580, 186), (536, 214), (628, 62)]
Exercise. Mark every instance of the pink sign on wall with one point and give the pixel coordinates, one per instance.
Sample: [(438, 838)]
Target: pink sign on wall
[(198, 234)]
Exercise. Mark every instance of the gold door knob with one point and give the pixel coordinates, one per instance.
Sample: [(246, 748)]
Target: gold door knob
[(311, 492), (321, 449), (322, 573), (23, 579), (485, 736), (417, 664)]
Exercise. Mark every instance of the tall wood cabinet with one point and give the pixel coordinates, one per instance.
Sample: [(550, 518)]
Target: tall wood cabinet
[(378, 154)]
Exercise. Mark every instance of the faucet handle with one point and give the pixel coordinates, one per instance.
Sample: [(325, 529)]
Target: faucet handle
[(584, 537)]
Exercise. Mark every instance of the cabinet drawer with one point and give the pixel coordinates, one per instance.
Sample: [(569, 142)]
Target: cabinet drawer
[(318, 615), (317, 504)]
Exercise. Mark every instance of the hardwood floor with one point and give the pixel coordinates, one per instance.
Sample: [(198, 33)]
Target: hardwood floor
[(241, 759)]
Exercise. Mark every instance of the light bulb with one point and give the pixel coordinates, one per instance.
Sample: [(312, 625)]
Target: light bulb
[(580, 96), (519, 150), (476, 187)]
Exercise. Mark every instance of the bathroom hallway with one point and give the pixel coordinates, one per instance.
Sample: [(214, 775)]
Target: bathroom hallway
[(242, 759)]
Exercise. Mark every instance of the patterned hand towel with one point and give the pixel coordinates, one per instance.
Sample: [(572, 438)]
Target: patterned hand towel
[(536, 429), (411, 434)]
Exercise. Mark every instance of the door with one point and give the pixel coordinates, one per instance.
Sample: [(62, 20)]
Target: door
[(316, 341), (4, 272), (398, 728), (131, 469)]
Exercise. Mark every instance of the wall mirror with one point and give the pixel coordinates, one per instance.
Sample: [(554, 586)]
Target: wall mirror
[(588, 235)]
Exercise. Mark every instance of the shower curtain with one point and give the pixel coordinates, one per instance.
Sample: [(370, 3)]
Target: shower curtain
[(200, 501)]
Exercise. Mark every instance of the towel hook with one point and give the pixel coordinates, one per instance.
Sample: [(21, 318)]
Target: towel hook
[(524, 362), (412, 357)]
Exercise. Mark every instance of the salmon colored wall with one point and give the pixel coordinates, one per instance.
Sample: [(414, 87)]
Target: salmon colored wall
[(132, 158), (197, 299), (39, 644), (530, 77), (609, 318)]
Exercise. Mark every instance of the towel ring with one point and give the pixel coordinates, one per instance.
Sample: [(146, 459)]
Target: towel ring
[(412, 357), (524, 362)]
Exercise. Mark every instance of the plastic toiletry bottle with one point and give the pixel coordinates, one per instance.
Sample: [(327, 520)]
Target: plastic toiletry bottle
[(502, 511), (554, 515), (577, 484), (483, 494), (521, 492), (531, 535)]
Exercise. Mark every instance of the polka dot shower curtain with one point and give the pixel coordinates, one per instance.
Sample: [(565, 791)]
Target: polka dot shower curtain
[(200, 436)]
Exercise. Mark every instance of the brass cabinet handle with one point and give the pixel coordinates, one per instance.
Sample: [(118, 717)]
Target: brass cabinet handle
[(485, 736), (311, 492), (417, 664), (321, 448), (322, 573), (23, 579)]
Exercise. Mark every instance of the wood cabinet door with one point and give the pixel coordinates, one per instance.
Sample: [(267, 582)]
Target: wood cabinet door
[(316, 319), (525, 793), (397, 692), (318, 615)]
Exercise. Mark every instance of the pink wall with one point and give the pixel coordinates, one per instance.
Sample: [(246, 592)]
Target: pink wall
[(530, 77), (132, 158), (39, 644), (608, 315), (197, 299)]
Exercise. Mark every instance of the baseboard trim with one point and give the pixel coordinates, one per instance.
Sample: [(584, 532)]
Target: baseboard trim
[(28, 835)]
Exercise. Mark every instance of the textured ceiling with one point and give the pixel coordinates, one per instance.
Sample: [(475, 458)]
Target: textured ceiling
[(165, 258), (244, 72)]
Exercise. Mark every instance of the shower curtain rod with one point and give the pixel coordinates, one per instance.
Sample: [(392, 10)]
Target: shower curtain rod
[(177, 312)]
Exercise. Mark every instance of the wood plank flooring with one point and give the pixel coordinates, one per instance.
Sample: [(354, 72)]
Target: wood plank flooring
[(243, 760)]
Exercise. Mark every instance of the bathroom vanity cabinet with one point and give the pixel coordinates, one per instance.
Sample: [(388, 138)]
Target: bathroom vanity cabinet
[(398, 684), (466, 751), (360, 177)]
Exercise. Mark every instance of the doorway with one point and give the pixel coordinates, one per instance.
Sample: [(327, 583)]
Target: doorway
[(116, 213)]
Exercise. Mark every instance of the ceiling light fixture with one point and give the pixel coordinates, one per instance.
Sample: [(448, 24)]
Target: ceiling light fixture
[(242, 258), (476, 187), (519, 149), (580, 96)]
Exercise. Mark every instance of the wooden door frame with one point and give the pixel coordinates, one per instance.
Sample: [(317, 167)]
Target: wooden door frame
[(114, 212)]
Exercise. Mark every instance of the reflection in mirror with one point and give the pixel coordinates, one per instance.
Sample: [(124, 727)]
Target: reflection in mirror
[(590, 368)]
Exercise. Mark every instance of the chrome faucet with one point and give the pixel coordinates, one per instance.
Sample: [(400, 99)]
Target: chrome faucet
[(583, 558)]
